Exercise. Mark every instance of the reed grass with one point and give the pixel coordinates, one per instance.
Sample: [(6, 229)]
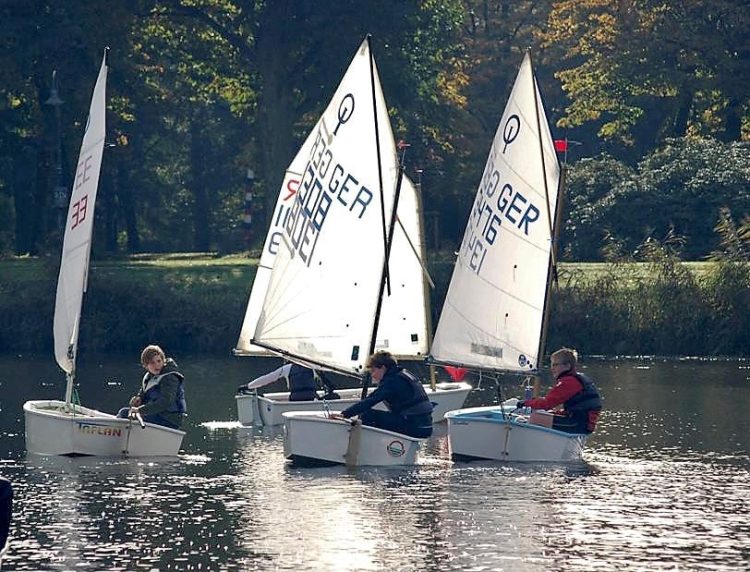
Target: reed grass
[(659, 306)]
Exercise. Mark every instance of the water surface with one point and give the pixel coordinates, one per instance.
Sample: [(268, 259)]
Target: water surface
[(665, 485)]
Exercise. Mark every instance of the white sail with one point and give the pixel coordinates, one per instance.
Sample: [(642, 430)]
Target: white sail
[(64, 427), (403, 327), (71, 282), (323, 290), (289, 188), (493, 312)]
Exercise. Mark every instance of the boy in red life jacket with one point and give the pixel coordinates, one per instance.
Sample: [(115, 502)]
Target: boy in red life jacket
[(578, 395)]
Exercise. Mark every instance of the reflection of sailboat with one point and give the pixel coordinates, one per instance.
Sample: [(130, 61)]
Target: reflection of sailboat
[(62, 427), (404, 326), (494, 315), (325, 292)]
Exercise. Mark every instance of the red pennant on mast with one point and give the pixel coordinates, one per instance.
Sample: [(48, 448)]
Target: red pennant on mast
[(561, 145)]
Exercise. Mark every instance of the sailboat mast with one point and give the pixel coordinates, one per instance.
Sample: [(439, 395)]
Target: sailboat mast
[(384, 279), (387, 237), (553, 225), (552, 274), (377, 152), (425, 288)]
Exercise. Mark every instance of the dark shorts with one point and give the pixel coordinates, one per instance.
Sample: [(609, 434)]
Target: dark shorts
[(571, 423), (307, 395)]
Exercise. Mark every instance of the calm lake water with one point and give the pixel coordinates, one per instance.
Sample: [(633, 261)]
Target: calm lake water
[(665, 486)]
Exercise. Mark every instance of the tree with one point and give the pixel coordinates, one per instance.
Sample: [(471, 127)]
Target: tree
[(646, 70), (36, 38), (680, 189)]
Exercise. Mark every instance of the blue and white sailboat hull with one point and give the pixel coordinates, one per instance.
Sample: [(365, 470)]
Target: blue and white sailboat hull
[(496, 433)]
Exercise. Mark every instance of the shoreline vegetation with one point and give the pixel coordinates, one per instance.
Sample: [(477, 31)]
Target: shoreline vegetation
[(196, 303)]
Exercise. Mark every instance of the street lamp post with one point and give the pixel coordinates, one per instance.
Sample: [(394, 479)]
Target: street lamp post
[(59, 191), (247, 219)]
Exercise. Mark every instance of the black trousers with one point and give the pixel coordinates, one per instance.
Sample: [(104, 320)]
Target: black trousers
[(419, 426), (571, 423), (304, 395)]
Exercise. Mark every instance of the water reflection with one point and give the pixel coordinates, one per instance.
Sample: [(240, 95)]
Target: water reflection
[(664, 486)]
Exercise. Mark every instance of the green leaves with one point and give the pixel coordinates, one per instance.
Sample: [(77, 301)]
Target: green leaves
[(682, 187)]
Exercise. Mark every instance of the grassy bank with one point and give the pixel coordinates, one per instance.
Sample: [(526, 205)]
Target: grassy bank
[(185, 302), (196, 303)]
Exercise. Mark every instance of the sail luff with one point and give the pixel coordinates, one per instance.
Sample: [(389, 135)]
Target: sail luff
[(284, 203), (373, 91), (552, 264), (550, 218), (79, 222), (387, 234)]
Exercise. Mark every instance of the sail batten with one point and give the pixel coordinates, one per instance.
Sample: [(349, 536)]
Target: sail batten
[(494, 309)]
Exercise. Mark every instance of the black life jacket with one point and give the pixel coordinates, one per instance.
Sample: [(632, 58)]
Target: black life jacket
[(301, 379), (587, 400), (416, 401)]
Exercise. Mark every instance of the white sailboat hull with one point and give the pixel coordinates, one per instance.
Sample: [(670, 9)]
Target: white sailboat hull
[(494, 434), (269, 409), (313, 439), (51, 430)]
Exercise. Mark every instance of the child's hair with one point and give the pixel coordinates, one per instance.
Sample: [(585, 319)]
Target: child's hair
[(149, 352), (566, 356), (381, 359)]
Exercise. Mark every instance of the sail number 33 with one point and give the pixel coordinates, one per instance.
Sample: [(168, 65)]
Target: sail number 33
[(79, 209)]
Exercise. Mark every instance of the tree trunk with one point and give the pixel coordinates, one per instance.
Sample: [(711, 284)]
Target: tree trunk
[(127, 194), (23, 199), (276, 108), (202, 238), (682, 116), (733, 126), (107, 191)]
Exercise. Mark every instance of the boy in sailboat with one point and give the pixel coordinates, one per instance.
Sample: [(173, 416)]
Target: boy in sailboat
[(574, 391), (409, 408), (300, 380), (161, 399)]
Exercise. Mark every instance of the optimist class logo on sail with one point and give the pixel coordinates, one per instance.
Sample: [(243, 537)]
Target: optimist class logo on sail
[(327, 186), (497, 201)]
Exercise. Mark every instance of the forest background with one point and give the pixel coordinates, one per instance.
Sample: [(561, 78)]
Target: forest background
[(210, 99)]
